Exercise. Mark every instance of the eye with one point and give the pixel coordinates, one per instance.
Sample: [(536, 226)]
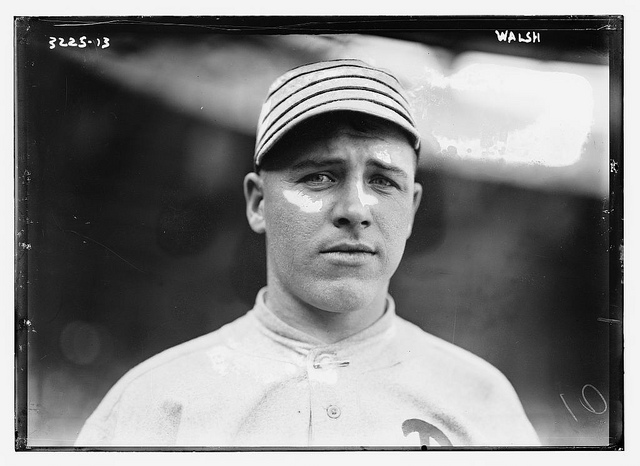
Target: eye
[(318, 179), (382, 182)]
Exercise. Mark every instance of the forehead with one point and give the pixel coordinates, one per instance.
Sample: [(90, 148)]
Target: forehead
[(345, 143), (342, 138)]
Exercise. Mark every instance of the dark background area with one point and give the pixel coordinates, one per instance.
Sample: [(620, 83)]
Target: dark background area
[(132, 237)]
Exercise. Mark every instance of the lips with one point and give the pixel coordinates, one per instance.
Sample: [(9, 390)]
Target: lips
[(349, 248)]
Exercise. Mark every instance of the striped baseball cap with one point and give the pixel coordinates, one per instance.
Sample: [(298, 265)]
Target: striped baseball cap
[(329, 86)]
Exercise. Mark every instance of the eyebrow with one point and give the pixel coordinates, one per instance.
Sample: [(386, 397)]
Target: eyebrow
[(311, 163), (387, 167)]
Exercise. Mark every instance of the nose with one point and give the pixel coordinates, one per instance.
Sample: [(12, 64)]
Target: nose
[(352, 208)]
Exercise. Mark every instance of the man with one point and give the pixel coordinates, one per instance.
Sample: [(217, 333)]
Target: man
[(322, 359)]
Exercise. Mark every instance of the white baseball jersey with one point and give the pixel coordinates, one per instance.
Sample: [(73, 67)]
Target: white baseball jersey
[(258, 382)]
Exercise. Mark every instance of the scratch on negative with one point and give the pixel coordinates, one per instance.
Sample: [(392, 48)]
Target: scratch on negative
[(96, 242), (106, 247), (455, 320), (95, 23), (608, 321)]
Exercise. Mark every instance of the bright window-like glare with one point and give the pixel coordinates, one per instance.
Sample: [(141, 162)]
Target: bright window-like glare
[(519, 115)]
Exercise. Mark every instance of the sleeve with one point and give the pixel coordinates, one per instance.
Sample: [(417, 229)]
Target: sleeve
[(99, 428), (133, 414), (506, 419)]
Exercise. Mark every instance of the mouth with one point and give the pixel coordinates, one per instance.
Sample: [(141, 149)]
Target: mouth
[(349, 254), (349, 249)]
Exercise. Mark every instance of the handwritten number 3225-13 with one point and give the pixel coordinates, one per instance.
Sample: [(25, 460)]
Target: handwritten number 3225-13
[(80, 43)]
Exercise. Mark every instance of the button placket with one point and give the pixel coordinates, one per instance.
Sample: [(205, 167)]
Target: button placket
[(326, 372)]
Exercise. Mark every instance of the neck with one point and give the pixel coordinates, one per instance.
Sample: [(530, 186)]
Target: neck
[(324, 325)]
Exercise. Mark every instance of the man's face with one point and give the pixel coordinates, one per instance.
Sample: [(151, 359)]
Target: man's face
[(336, 215)]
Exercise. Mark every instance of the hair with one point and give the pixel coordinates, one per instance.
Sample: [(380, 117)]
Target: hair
[(319, 127)]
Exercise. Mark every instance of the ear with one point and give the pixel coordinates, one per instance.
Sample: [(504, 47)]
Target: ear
[(254, 198), (417, 196)]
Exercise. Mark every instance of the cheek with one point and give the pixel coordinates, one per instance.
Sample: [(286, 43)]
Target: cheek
[(304, 202), (396, 222), (291, 218), (367, 200)]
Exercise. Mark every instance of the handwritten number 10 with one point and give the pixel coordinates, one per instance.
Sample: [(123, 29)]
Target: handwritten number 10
[(585, 403)]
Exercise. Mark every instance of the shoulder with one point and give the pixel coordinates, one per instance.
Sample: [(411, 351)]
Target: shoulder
[(448, 361), (182, 360), (464, 387), (148, 390)]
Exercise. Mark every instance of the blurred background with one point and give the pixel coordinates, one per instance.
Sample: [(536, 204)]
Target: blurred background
[(132, 237)]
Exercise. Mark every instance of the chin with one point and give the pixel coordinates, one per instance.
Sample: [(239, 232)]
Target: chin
[(344, 295)]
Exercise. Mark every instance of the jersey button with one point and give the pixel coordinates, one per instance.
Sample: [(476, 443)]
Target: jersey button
[(333, 412)]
